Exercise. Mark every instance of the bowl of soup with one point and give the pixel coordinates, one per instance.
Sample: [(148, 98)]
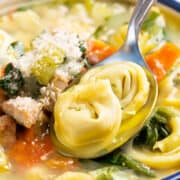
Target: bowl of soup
[(59, 115)]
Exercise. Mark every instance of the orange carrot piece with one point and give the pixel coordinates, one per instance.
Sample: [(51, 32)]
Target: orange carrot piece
[(98, 50), (162, 60)]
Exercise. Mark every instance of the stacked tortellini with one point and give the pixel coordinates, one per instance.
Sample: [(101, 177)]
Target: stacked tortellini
[(100, 112), (166, 152)]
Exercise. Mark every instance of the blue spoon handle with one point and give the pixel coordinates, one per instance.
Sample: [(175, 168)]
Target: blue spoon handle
[(174, 4)]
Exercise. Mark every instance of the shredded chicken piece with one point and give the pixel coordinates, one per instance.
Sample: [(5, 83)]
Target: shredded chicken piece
[(25, 110)]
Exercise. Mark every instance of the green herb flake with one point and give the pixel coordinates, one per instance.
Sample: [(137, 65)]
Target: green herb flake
[(13, 80)]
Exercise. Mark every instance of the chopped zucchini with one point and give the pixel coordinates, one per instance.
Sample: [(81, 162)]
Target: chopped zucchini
[(43, 69), (50, 59)]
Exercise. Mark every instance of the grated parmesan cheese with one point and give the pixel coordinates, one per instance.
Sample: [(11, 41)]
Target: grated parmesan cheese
[(46, 44), (25, 63), (68, 42)]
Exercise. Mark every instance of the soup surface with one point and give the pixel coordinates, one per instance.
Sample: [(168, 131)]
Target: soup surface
[(60, 118)]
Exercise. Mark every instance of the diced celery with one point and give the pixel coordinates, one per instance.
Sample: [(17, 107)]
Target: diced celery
[(44, 68)]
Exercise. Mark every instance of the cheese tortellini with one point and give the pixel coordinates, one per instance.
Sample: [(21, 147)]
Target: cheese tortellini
[(128, 81), (166, 152), (87, 118), (102, 112), (155, 159), (171, 142)]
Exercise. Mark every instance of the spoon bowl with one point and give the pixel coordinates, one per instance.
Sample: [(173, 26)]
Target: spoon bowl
[(130, 52)]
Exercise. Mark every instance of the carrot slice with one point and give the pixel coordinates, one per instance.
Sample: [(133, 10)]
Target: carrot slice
[(162, 60), (98, 50)]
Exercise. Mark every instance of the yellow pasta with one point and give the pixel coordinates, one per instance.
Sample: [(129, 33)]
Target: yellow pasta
[(166, 152), (88, 116), (155, 159), (169, 90), (86, 121), (128, 81), (171, 142)]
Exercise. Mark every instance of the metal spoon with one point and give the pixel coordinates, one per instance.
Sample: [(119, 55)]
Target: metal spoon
[(130, 52)]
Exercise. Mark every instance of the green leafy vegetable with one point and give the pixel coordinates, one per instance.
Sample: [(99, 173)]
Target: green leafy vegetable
[(84, 58), (155, 130), (122, 159), (31, 87), (98, 31), (87, 64), (13, 80), (150, 21), (82, 49)]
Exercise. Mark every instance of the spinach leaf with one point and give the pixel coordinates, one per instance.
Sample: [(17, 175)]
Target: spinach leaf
[(13, 80), (156, 129)]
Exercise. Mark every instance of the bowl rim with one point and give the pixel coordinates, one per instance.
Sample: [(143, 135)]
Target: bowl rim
[(171, 5)]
